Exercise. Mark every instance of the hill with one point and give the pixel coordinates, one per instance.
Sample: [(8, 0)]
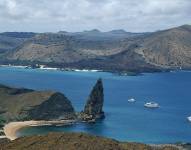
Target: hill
[(75, 141), (11, 40), (96, 35), (19, 104), (25, 104), (171, 48), (59, 48), (116, 50)]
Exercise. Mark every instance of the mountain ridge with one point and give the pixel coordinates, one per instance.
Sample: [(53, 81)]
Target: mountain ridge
[(115, 50)]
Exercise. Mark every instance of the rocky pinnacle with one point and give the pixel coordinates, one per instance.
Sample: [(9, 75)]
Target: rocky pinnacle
[(94, 106)]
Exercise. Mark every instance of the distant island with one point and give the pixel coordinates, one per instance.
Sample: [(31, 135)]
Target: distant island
[(113, 51)]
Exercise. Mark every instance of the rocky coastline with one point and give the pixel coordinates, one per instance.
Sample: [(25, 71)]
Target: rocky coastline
[(92, 112), (46, 107)]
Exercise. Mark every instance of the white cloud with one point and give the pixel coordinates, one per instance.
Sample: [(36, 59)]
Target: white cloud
[(77, 15)]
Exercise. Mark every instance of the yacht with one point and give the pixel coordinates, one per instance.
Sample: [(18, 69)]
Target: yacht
[(151, 105), (131, 100), (189, 118)]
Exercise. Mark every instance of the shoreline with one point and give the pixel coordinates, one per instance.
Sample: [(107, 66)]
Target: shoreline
[(12, 128), (42, 67), (121, 73)]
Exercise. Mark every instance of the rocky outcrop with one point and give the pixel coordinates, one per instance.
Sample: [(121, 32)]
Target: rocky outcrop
[(94, 107), (24, 104), (56, 107)]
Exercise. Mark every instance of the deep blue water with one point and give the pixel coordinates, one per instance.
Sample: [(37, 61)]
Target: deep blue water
[(124, 121)]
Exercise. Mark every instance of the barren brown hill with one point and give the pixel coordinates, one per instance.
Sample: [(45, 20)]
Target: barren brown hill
[(10, 40), (59, 48), (161, 50), (170, 48), (74, 141)]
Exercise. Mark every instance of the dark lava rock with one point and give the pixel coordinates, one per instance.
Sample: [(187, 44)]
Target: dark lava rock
[(93, 108)]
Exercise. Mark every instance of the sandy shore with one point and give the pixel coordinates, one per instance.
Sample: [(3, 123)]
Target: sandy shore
[(11, 128)]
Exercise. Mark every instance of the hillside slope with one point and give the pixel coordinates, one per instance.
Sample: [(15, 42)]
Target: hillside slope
[(111, 51), (61, 48), (11, 40), (169, 48), (25, 104), (74, 141)]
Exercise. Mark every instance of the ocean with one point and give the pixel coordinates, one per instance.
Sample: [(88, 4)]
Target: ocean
[(124, 121)]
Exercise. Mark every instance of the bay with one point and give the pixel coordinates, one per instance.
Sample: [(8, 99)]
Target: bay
[(124, 121)]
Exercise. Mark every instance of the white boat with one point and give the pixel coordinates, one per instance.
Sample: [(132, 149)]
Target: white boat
[(151, 105), (189, 118), (131, 100)]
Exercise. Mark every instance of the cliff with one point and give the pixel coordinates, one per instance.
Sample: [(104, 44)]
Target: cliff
[(18, 104), (25, 104), (94, 107)]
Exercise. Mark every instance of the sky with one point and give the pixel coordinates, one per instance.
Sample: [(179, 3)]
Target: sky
[(105, 15)]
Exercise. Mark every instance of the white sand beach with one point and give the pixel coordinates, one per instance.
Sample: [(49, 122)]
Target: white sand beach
[(12, 128)]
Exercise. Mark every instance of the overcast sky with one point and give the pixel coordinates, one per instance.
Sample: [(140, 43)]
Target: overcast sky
[(79, 15)]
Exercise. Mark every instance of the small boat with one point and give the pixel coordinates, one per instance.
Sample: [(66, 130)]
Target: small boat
[(151, 105), (189, 118), (131, 100)]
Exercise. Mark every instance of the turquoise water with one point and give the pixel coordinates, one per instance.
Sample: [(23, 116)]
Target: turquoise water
[(124, 121)]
